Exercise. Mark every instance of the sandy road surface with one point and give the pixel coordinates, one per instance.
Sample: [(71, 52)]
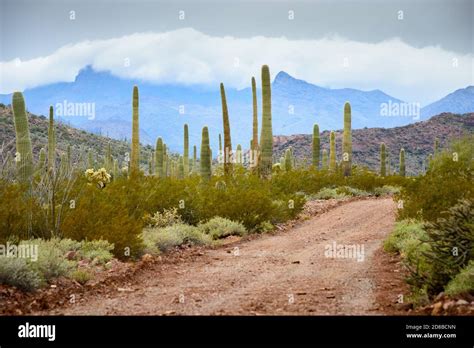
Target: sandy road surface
[(287, 273)]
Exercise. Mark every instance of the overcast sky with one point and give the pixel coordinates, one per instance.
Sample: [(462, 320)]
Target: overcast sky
[(419, 58)]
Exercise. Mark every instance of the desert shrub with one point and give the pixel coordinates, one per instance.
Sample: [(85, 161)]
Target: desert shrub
[(404, 231), (218, 227), (163, 239), (81, 276), (167, 218), (463, 282), (100, 251), (20, 213), (264, 227), (354, 192), (435, 252), (329, 193), (386, 190), (451, 239), (448, 179), (101, 214), (17, 272), (51, 262)]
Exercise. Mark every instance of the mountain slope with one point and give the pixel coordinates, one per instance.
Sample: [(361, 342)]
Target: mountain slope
[(417, 139), (164, 109), (460, 101)]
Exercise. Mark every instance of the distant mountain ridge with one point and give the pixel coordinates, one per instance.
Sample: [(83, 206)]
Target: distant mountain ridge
[(417, 139), (296, 106)]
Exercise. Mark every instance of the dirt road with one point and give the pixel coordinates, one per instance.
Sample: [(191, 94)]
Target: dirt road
[(287, 273)]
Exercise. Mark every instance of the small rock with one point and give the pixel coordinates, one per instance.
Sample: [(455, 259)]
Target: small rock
[(330, 296), (437, 308), (439, 296), (448, 305), (147, 258), (70, 255), (125, 290), (295, 262), (53, 286), (462, 302)]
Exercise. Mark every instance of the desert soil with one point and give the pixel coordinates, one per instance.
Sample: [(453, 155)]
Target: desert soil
[(286, 273)]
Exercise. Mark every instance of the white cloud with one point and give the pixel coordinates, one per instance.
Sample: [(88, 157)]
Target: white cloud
[(188, 56)]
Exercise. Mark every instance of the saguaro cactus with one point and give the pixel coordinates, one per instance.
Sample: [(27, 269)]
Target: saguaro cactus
[(51, 141), (288, 160), (254, 146), (186, 151), (332, 151), (205, 155), (227, 140), (41, 160), (135, 153), (325, 159), (24, 155), (159, 158), (402, 162), (347, 141), (383, 170), (266, 136), (316, 145), (194, 158), (181, 165)]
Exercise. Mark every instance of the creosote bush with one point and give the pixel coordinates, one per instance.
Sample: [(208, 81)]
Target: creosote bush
[(219, 227)]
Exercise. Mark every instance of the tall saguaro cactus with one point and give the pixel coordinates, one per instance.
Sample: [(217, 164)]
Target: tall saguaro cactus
[(194, 158), (325, 159), (383, 160), (51, 141), (266, 136), (347, 141), (254, 146), (205, 155), (159, 158), (135, 154), (288, 160), (332, 151), (227, 140), (186, 152), (316, 145), (402, 162), (24, 155)]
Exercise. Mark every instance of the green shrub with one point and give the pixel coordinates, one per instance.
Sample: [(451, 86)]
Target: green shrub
[(448, 179), (167, 218), (51, 262), (103, 214), (354, 192), (463, 282), (163, 239), (99, 251), (219, 227), (386, 190), (17, 272), (81, 276), (452, 244), (329, 193), (403, 232)]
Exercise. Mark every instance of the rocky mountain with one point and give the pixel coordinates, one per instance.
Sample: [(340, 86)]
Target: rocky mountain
[(417, 139)]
